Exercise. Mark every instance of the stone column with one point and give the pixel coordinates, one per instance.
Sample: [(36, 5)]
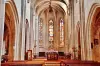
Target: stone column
[(27, 36), (69, 28), (72, 40), (56, 27), (2, 17), (36, 46), (66, 33), (18, 36), (23, 20), (82, 33), (31, 29), (46, 31), (34, 39), (28, 25), (76, 26), (16, 43), (37, 41), (88, 44)]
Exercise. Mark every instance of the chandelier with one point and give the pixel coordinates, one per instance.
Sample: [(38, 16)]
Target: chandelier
[(50, 8)]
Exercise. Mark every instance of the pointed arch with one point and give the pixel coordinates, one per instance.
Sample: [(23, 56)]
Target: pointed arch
[(94, 11), (11, 20)]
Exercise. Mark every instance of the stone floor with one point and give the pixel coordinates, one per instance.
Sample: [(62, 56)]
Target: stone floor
[(45, 62)]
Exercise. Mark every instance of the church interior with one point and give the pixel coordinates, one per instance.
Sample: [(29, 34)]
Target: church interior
[(49, 33)]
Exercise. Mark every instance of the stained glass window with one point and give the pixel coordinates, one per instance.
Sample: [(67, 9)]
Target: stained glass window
[(51, 30), (61, 32), (40, 30)]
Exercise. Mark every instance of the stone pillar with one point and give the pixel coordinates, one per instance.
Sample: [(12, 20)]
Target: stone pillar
[(56, 27), (72, 40), (44, 34), (76, 25), (27, 33), (46, 31), (16, 43), (31, 34), (69, 28), (31, 29), (82, 33), (2, 17), (36, 45), (18, 36), (34, 40), (23, 20), (28, 25), (37, 41), (66, 33), (88, 44)]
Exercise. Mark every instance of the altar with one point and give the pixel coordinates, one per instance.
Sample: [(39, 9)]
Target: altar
[(52, 55)]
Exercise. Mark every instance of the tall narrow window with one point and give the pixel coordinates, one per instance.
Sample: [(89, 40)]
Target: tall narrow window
[(61, 32), (40, 31), (51, 35)]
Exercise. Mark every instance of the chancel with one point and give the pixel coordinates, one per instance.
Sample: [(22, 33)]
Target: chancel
[(49, 32)]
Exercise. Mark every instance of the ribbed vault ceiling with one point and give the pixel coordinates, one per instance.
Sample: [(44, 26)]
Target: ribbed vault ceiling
[(59, 5)]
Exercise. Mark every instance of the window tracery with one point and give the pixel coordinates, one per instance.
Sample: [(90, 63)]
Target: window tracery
[(51, 31), (41, 31), (61, 32)]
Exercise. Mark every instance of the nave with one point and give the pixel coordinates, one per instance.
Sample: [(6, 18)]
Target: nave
[(63, 32)]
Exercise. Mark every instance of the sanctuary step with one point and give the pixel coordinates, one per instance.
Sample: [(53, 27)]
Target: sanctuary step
[(52, 63)]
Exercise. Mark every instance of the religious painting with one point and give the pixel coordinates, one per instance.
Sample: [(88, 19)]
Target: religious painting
[(29, 53), (95, 41)]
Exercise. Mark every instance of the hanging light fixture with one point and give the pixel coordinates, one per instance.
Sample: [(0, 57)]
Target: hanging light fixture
[(50, 8)]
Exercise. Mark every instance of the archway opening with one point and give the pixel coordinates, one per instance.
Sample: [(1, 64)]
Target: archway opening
[(95, 30), (6, 39), (9, 30)]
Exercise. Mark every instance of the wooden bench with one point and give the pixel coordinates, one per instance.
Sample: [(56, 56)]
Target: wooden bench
[(22, 63), (78, 63)]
